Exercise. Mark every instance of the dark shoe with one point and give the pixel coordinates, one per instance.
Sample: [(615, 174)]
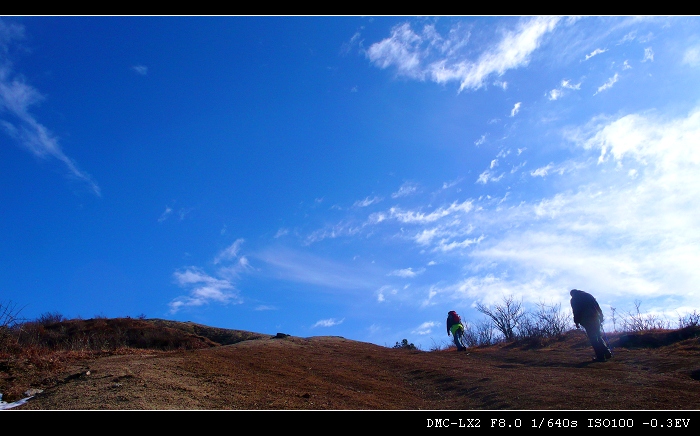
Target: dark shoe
[(608, 355), (599, 359)]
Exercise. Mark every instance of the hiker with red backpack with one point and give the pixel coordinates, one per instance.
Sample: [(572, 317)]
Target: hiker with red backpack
[(454, 325)]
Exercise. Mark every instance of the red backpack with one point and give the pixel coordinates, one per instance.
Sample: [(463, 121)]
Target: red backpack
[(454, 317)]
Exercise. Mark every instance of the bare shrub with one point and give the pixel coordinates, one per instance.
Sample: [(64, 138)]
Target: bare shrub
[(613, 318), (9, 314), (551, 320), (689, 320), (439, 346), (9, 319), (50, 318), (638, 322), (506, 317), (480, 334)]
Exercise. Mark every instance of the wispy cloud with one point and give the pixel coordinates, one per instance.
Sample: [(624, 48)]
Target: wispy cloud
[(303, 267), (166, 213), (426, 328), (406, 189), (16, 98), (263, 307), (692, 56), (560, 169), (516, 109), (230, 252), (202, 289), (367, 202), (559, 92), (635, 235), (330, 322), (595, 53), (401, 49), (489, 176), (648, 55), (140, 69), (607, 85), (429, 55), (406, 273), (181, 214), (281, 232), (385, 291), (409, 216)]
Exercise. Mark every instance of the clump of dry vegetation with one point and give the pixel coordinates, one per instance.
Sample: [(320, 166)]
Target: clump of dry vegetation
[(44, 346)]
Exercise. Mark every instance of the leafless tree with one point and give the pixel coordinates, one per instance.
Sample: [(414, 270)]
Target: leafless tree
[(506, 316)]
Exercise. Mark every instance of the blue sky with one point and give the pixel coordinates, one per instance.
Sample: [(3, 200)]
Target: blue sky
[(351, 176)]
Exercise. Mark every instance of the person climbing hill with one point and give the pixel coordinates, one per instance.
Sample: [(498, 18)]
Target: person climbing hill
[(587, 313), (454, 324)]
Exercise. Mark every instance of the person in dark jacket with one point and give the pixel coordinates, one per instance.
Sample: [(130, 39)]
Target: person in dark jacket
[(587, 313), (454, 325)]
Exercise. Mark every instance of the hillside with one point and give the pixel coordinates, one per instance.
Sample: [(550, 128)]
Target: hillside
[(206, 368)]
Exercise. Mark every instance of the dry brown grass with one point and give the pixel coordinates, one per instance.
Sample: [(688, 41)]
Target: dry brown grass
[(187, 366)]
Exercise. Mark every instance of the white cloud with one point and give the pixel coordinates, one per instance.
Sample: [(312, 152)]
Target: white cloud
[(406, 273), (405, 189), (140, 69), (480, 141), (230, 252), (447, 185), (568, 85), (426, 328), (554, 94), (488, 176), (618, 239), (401, 50), (367, 202), (515, 109), (648, 55), (595, 53), (16, 98), (692, 56), (166, 213), (430, 55), (542, 171), (446, 245), (330, 322), (203, 289), (559, 92), (611, 81), (420, 217), (295, 266), (384, 291)]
